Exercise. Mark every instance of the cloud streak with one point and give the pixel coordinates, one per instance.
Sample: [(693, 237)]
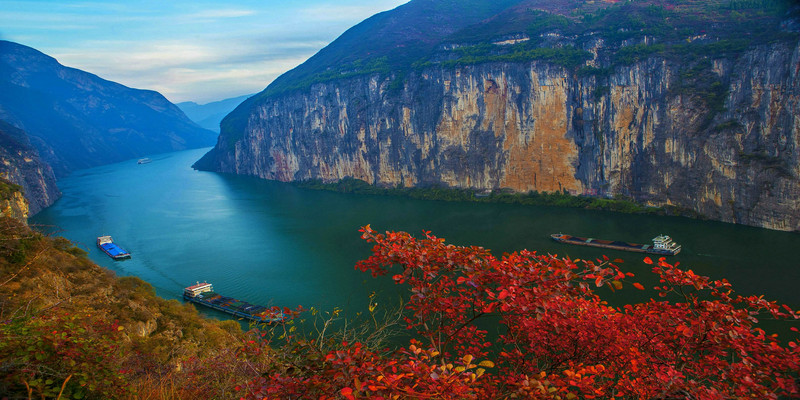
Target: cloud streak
[(181, 71), (187, 50)]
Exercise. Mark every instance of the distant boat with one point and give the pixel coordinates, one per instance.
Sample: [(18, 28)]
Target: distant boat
[(108, 246), (144, 161), (203, 294), (662, 244)]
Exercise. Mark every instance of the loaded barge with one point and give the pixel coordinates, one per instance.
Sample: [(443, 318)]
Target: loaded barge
[(662, 244), (108, 246), (203, 294)]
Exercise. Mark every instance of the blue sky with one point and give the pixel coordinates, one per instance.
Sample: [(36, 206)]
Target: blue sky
[(189, 50)]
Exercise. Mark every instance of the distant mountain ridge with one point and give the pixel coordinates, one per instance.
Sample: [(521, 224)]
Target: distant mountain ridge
[(78, 120), (209, 115)]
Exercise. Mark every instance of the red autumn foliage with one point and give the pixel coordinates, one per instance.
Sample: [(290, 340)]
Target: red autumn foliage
[(557, 338)]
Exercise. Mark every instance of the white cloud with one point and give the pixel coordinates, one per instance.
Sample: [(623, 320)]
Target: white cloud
[(183, 71)]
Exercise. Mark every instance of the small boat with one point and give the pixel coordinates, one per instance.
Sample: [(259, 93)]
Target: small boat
[(662, 244), (203, 294), (144, 161), (108, 246)]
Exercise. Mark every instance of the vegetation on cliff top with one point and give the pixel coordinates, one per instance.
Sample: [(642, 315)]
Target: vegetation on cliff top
[(560, 32)]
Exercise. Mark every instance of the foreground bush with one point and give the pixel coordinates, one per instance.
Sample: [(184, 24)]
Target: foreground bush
[(558, 339), (69, 330)]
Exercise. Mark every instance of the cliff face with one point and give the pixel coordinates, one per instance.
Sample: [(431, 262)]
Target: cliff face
[(639, 132), (20, 164)]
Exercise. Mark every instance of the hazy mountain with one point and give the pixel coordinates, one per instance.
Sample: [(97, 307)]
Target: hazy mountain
[(78, 120), (211, 114)]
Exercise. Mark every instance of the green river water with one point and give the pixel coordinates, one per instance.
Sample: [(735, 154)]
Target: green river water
[(273, 243)]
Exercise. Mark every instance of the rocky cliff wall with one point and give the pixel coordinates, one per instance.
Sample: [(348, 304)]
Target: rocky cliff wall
[(20, 164), (721, 140)]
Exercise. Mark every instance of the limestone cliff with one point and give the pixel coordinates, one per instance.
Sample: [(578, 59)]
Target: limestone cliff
[(717, 134), (20, 164)]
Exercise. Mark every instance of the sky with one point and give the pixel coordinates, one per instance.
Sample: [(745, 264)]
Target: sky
[(188, 50)]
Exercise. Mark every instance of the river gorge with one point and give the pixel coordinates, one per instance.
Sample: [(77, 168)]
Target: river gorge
[(273, 243)]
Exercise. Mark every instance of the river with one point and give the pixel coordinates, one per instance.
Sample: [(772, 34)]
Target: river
[(274, 243)]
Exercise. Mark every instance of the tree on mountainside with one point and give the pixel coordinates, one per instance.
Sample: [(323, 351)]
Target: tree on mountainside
[(558, 339)]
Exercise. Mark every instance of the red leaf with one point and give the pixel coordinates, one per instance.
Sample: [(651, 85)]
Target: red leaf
[(648, 261), (347, 393), (638, 285), (503, 294)]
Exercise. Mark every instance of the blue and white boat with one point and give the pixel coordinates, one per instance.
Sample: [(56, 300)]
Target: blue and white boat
[(108, 246)]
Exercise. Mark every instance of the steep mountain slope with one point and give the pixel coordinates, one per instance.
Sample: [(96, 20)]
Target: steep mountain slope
[(21, 165), (382, 43), (390, 40), (687, 103), (209, 115), (78, 120)]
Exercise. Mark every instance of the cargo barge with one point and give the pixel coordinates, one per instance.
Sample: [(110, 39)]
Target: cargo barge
[(107, 245), (662, 244), (203, 294)]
